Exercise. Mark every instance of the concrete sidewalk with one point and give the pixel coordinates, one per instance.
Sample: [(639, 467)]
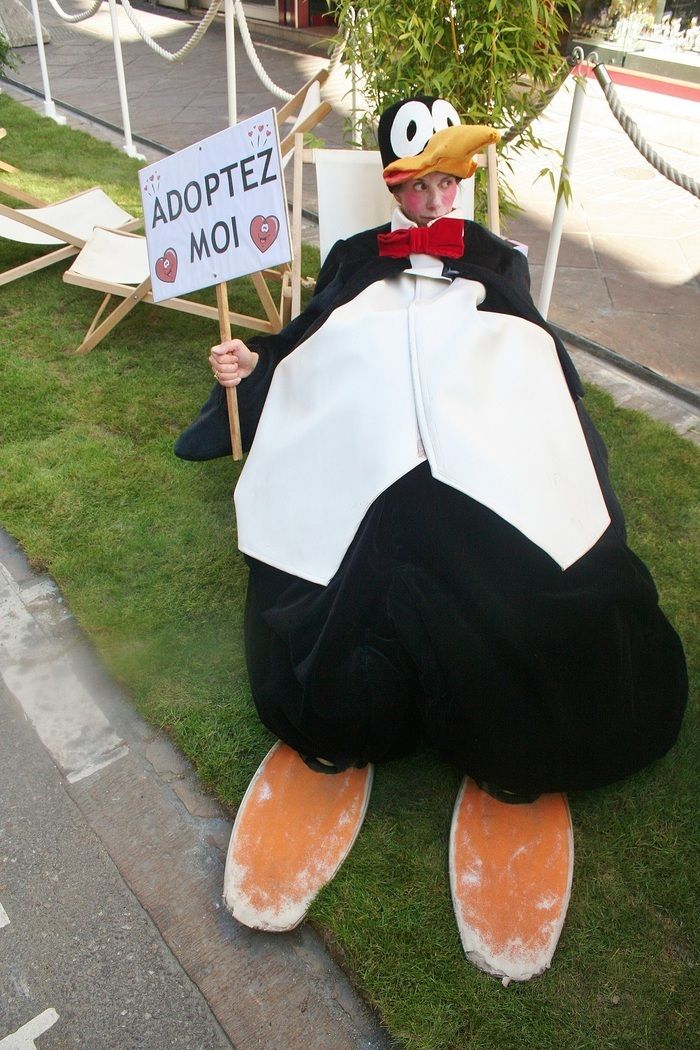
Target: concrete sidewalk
[(630, 256), (112, 869)]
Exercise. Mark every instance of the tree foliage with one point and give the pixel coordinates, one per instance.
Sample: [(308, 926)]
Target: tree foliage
[(497, 61), (7, 60)]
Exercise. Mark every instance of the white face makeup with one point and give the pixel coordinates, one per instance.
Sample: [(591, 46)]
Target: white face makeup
[(427, 198)]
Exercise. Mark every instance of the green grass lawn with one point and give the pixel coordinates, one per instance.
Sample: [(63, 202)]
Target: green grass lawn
[(143, 548)]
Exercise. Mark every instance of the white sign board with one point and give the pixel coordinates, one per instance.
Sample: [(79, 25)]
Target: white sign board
[(216, 210)]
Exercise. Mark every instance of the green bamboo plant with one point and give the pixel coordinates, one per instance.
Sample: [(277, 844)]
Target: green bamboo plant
[(498, 61), (7, 60)]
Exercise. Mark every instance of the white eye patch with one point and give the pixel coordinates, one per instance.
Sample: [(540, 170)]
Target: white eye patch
[(411, 129), (444, 115), (414, 125)]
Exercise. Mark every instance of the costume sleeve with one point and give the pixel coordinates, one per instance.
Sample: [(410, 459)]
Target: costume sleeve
[(519, 271), (208, 437), (487, 249)]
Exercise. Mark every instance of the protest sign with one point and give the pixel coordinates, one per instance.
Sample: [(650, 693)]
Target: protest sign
[(216, 210)]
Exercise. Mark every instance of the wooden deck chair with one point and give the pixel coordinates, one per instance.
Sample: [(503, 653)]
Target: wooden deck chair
[(116, 263), (352, 197), (306, 110), (4, 166), (64, 226)]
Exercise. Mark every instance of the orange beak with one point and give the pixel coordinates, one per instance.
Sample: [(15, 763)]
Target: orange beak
[(450, 151)]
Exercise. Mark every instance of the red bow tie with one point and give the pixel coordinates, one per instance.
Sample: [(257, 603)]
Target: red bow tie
[(445, 237)]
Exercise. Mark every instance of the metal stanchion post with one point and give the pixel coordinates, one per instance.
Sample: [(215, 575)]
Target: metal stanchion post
[(550, 262), (230, 26), (49, 105), (128, 146)]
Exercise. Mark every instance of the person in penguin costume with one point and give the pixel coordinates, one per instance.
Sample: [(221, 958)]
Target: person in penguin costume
[(436, 554)]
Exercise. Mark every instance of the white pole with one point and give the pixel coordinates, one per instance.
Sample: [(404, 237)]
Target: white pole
[(128, 146), (550, 262), (356, 133), (356, 139), (49, 105), (230, 25)]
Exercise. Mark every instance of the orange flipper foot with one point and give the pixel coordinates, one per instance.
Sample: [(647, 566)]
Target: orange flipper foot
[(511, 868), (294, 829)]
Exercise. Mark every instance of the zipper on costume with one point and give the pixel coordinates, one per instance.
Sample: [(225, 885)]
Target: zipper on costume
[(421, 424)]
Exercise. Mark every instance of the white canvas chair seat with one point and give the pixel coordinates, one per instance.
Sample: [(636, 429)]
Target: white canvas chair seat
[(115, 263), (64, 226), (109, 257), (352, 195), (74, 219)]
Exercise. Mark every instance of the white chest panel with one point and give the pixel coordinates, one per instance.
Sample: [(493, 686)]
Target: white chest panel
[(412, 365)]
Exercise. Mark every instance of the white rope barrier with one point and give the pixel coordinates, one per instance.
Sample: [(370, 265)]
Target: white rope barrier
[(636, 138), (170, 56), (234, 12), (212, 11), (257, 65), (80, 17), (255, 62), (337, 53)]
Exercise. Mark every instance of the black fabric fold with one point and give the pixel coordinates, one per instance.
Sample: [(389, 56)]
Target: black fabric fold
[(446, 625)]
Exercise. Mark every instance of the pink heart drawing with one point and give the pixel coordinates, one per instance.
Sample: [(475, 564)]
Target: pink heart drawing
[(263, 231), (166, 266)]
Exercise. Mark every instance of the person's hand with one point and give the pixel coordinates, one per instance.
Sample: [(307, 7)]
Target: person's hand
[(232, 361)]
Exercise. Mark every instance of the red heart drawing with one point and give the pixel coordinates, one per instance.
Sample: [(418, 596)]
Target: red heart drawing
[(166, 266), (263, 231)]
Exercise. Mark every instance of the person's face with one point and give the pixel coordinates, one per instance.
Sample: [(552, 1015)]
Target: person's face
[(427, 198)]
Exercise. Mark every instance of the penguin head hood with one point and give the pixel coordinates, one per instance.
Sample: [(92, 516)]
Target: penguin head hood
[(423, 134)]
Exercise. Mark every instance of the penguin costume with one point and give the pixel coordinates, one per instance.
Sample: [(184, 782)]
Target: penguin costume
[(436, 553)]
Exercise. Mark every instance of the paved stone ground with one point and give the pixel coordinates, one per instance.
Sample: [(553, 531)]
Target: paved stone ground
[(629, 391), (630, 256)]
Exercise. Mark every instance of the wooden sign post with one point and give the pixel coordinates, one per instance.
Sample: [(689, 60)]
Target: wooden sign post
[(215, 211), (231, 398)]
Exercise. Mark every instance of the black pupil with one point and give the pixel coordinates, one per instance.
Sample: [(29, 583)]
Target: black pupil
[(411, 130)]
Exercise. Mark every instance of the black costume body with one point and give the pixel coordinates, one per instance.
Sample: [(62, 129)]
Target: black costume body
[(444, 624)]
